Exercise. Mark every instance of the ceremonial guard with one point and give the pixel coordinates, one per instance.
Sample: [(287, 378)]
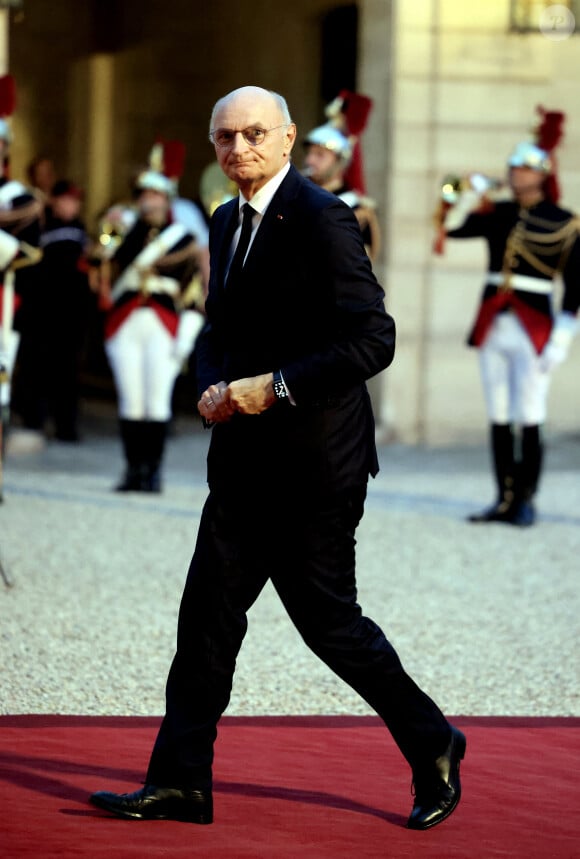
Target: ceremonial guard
[(151, 326), (66, 303), (333, 160), (168, 157), (520, 335), (20, 217)]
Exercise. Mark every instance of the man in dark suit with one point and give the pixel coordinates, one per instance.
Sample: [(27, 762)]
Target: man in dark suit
[(296, 325)]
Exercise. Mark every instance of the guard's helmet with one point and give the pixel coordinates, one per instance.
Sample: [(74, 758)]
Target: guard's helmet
[(151, 180), (527, 154), (331, 138)]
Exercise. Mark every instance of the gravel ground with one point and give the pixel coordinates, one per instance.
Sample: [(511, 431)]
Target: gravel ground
[(485, 618)]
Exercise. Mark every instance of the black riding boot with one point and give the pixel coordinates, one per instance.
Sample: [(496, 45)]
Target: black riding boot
[(502, 448), (528, 476), (132, 437), (155, 435)]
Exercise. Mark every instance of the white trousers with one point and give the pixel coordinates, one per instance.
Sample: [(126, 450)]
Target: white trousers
[(145, 366), (514, 386)]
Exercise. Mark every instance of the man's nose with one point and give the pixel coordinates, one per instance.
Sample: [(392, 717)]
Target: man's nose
[(239, 141)]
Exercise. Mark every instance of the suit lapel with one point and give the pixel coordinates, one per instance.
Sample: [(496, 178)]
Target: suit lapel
[(274, 221), (230, 225), (272, 224)]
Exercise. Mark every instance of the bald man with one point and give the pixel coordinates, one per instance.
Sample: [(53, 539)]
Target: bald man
[(296, 325)]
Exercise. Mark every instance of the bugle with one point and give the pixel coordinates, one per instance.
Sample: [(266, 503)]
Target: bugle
[(487, 187)]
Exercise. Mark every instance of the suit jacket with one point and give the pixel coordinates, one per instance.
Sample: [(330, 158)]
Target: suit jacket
[(308, 304)]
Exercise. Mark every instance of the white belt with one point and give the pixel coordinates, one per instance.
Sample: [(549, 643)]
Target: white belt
[(131, 280), (520, 281)]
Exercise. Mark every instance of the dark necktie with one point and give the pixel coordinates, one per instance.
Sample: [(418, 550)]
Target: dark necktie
[(243, 242)]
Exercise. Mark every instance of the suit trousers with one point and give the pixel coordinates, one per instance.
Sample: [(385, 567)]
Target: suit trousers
[(305, 543)]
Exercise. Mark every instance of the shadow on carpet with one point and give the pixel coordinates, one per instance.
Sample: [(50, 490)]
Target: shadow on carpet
[(288, 787)]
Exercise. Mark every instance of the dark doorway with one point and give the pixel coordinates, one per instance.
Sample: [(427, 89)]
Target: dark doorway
[(339, 51)]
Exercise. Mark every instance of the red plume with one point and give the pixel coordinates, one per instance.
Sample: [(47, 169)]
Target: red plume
[(7, 95), (355, 111), (548, 134), (173, 158), (168, 157)]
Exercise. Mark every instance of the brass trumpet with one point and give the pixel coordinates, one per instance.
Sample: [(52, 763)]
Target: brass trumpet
[(488, 187), (215, 188), (114, 224), (487, 190)]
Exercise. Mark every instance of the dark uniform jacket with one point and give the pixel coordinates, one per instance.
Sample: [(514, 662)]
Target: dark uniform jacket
[(179, 263), (537, 243), (63, 280)]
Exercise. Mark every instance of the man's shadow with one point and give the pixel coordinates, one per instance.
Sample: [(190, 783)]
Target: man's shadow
[(48, 776)]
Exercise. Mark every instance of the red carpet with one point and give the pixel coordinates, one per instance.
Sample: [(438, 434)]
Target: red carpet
[(290, 788)]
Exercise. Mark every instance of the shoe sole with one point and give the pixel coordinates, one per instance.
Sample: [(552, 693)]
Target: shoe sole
[(202, 819)]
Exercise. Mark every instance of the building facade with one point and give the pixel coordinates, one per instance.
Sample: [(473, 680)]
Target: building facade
[(454, 88)]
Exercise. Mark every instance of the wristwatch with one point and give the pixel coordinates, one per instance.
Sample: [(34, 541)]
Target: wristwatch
[(280, 391)]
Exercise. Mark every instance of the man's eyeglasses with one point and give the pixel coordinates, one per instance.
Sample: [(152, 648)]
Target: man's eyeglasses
[(254, 135)]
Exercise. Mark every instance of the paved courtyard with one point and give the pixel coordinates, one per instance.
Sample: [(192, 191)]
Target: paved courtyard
[(486, 618)]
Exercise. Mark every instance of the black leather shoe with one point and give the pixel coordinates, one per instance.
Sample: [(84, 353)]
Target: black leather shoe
[(158, 803), (437, 788)]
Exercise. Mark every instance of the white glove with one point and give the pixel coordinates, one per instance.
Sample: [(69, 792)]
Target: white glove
[(556, 349), (467, 202), (190, 324), (9, 247)]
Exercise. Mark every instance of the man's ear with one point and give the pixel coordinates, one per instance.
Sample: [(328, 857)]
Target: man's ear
[(291, 136)]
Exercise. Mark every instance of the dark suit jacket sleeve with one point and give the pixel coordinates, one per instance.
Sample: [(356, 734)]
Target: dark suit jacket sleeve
[(359, 338)]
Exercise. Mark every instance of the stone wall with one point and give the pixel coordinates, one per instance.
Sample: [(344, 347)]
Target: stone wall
[(98, 81), (464, 92)]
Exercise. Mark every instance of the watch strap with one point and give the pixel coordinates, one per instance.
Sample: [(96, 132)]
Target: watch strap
[(280, 391)]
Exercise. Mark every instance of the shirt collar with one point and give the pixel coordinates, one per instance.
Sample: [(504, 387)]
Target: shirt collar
[(262, 198)]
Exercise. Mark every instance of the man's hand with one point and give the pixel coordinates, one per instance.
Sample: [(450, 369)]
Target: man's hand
[(249, 396), (215, 405), (252, 396)]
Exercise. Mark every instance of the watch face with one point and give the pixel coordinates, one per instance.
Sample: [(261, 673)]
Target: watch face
[(280, 390)]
